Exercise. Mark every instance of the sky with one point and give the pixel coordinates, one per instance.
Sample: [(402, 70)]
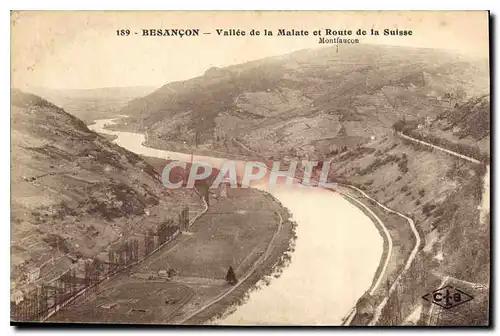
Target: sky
[(78, 50)]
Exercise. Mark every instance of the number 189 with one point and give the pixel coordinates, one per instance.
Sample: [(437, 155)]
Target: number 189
[(123, 32)]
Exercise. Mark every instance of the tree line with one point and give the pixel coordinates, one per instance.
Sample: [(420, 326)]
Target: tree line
[(41, 300)]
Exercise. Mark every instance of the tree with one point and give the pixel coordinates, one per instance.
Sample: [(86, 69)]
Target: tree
[(97, 270), (460, 94), (399, 125), (135, 250), (231, 276), (184, 218), (73, 284), (149, 243), (113, 260), (164, 231), (88, 270)]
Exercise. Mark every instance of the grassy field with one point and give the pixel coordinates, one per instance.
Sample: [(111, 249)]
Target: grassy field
[(130, 302), (272, 266), (234, 232)]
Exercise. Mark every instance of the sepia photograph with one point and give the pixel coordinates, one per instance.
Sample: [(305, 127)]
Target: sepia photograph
[(250, 168)]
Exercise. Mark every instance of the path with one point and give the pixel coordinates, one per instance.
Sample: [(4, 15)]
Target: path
[(439, 148), (250, 272), (412, 256)]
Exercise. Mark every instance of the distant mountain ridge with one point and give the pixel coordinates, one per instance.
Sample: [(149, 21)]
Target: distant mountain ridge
[(279, 102), (91, 104)]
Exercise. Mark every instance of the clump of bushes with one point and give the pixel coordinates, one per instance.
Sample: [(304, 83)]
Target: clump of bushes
[(428, 208)]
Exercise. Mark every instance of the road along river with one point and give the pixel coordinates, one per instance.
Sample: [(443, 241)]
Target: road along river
[(337, 251)]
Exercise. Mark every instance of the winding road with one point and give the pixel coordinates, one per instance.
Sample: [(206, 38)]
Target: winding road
[(376, 283), (411, 223), (458, 155), (388, 239), (331, 307), (414, 252)]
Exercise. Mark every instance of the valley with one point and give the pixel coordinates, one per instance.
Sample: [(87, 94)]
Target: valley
[(346, 106), (91, 104), (86, 242), (406, 132)]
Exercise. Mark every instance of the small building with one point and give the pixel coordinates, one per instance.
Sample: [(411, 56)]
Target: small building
[(17, 296), (109, 305), (223, 190), (30, 289), (33, 274)]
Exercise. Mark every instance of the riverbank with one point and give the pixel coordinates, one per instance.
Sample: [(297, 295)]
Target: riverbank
[(248, 229), (222, 237), (399, 245), (332, 265), (442, 195), (270, 264), (276, 258), (396, 257)]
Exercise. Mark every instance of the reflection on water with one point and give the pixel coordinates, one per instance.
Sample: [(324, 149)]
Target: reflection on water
[(336, 255)]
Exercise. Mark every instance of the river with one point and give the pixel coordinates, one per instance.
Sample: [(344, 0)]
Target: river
[(337, 252)]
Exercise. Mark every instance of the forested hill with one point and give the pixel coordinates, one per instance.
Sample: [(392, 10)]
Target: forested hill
[(309, 100)]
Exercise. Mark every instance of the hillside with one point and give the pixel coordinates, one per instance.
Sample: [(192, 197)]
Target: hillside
[(442, 194), (90, 104), (467, 124), (74, 193), (307, 103), (343, 107)]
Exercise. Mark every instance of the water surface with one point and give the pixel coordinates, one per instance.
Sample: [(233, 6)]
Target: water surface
[(337, 251)]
